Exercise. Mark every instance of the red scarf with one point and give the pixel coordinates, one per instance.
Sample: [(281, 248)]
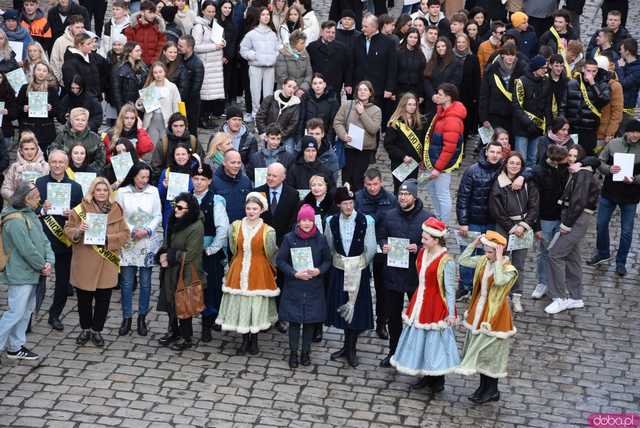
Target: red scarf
[(306, 235)]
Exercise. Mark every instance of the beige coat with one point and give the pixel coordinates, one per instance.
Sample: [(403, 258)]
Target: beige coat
[(370, 120), (57, 53), (169, 99), (89, 270)]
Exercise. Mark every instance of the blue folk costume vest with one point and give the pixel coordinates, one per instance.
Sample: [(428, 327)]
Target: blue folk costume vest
[(336, 297), (212, 264)]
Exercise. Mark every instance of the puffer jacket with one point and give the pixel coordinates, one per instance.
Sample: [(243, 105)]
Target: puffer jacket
[(234, 190), (284, 114), (629, 77), (510, 208), (260, 47), (447, 136), (370, 120), (77, 64), (150, 36), (13, 175), (294, 65), (402, 224), (211, 56), (536, 94), (89, 139), (472, 206), (410, 78), (581, 193), (324, 107), (125, 84), (612, 112), (194, 78), (580, 117), (492, 102)]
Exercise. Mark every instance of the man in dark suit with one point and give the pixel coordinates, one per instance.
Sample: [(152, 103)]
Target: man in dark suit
[(374, 59), (283, 209), (330, 57)]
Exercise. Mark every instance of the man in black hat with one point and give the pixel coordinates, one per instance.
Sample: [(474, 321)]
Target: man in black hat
[(242, 139), (352, 241), (307, 165), (216, 229)]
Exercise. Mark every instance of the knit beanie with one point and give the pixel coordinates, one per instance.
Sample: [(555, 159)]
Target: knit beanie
[(306, 213), (519, 18)]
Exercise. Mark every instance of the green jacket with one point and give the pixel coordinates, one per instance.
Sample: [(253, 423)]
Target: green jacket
[(27, 246), (96, 155)]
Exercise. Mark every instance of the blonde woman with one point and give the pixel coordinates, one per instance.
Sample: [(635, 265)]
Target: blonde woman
[(406, 125), (8, 61), (128, 125), (155, 122), (29, 163), (36, 55), (94, 268), (75, 132), (219, 144)]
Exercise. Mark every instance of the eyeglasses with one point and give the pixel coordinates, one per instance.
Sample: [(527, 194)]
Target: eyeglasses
[(500, 32), (180, 207)]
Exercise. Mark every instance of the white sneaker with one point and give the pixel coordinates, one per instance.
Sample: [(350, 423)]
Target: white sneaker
[(558, 305), (541, 290), (575, 303), (517, 306), (247, 117)]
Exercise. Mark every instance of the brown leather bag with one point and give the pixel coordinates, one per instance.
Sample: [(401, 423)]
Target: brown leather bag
[(189, 300)]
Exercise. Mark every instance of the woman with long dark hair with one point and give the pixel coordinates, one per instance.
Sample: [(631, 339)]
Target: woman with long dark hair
[(443, 67), (411, 65), (470, 84), (128, 78), (180, 161), (230, 50)]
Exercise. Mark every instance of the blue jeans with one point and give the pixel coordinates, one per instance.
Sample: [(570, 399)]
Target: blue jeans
[(21, 300), (126, 288), (548, 228), (408, 9), (606, 207), (438, 188), (466, 273), (528, 148)]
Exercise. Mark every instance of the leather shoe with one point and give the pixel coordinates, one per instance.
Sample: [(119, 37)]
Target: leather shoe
[(125, 327), (181, 344), (424, 382), (381, 331), (305, 359), (386, 362), (341, 353), (56, 324), (293, 360), (83, 337), (486, 398), (168, 339), (97, 339), (142, 325), (253, 344), (317, 334)]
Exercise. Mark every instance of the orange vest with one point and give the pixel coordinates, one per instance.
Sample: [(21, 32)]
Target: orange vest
[(38, 27)]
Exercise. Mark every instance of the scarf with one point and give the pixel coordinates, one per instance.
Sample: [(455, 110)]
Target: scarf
[(306, 235), (291, 26), (506, 70), (104, 207), (556, 139), (461, 55), (18, 35), (293, 53)]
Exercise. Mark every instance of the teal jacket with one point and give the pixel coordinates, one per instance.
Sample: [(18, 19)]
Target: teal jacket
[(27, 246)]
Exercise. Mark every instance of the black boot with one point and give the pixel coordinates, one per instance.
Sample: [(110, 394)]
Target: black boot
[(476, 394), (352, 358), (305, 358), (207, 322), (381, 329), (317, 333), (437, 384), (343, 351), (244, 346), (253, 344), (293, 360), (424, 382), (171, 335), (142, 325), (125, 327), (181, 344), (386, 362), (490, 392), (281, 326)]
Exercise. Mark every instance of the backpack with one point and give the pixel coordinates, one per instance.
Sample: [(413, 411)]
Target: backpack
[(4, 255)]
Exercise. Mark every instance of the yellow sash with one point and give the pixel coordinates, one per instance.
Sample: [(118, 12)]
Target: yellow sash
[(71, 174), (554, 106), (411, 136), (501, 87), (561, 50), (102, 251), (585, 95), (540, 123), (56, 229)]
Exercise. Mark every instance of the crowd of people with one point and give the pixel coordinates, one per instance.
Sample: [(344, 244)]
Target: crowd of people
[(286, 222)]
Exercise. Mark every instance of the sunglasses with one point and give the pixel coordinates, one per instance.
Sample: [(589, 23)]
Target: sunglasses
[(500, 32), (180, 207)]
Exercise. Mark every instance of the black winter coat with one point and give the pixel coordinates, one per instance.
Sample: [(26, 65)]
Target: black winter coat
[(348, 38), (402, 224), (537, 92), (43, 127), (58, 24), (550, 181), (195, 77), (8, 97), (492, 102), (379, 66), (411, 64), (398, 146), (506, 203), (90, 102), (300, 172), (558, 92), (452, 73), (125, 84), (324, 107), (472, 206), (469, 92), (580, 117), (548, 39), (339, 6), (74, 64), (326, 208), (332, 60), (7, 65)]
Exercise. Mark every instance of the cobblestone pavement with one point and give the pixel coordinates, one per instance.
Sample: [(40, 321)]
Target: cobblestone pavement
[(562, 369)]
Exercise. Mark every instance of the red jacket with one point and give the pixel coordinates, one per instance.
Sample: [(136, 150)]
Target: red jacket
[(144, 144), (448, 128), (150, 37)]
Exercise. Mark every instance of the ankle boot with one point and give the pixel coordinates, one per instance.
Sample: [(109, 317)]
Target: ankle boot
[(207, 322), (244, 346), (490, 392), (342, 352), (293, 360), (142, 325), (422, 383), (253, 344), (437, 384), (476, 394), (352, 359), (305, 358), (317, 333), (171, 335), (125, 327)]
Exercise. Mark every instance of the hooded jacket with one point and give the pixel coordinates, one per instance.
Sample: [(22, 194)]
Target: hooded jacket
[(629, 77), (39, 28), (244, 142), (89, 139), (283, 113), (13, 175), (472, 206), (150, 36), (112, 28), (84, 100), (265, 157), (77, 63)]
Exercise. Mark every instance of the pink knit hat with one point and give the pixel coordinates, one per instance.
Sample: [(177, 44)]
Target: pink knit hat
[(306, 213)]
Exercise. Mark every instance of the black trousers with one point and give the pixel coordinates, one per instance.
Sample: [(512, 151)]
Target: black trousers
[(183, 327), (212, 108), (193, 115), (294, 336), (393, 305), (63, 270), (356, 163), (93, 316), (588, 140), (379, 262), (97, 10)]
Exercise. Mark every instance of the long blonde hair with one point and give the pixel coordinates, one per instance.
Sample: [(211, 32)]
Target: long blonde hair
[(215, 142), (119, 126), (5, 48), (35, 86), (88, 198), (415, 119)]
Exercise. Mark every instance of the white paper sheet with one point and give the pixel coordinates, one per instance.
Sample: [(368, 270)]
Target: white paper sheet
[(625, 161), (404, 170), (357, 137), (17, 47)]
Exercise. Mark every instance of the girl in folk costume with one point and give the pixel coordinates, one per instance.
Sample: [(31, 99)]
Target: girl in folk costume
[(427, 345), (352, 241), (248, 302), (488, 319)]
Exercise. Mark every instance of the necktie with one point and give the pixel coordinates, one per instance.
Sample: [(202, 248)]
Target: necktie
[(274, 202)]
